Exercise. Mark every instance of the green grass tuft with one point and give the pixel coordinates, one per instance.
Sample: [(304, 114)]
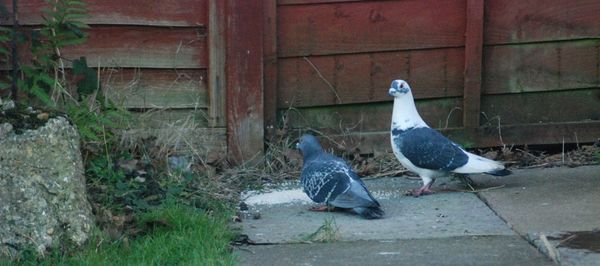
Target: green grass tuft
[(326, 233)]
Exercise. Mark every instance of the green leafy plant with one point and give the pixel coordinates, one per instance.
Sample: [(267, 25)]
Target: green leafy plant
[(45, 77), (4, 52)]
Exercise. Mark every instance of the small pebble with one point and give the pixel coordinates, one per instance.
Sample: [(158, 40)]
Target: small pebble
[(43, 116)]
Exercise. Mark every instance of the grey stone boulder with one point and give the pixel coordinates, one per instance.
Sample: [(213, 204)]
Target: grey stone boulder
[(43, 201)]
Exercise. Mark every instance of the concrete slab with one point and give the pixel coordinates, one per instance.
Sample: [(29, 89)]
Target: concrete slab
[(446, 214), (547, 200), (467, 250), (548, 203), (572, 248)]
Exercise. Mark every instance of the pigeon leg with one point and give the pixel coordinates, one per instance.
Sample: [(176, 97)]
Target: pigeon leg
[(319, 208), (424, 190)]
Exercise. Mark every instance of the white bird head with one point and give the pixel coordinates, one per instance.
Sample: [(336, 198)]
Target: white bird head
[(399, 88), (405, 113)]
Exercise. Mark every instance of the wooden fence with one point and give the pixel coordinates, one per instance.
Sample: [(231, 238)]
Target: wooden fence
[(530, 66), (233, 71)]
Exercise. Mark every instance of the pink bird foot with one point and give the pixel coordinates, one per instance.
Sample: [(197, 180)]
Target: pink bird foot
[(319, 208), (424, 190), (420, 192)]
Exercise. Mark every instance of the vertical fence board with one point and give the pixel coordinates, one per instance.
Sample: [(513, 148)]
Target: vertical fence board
[(216, 69), (270, 65), (473, 62), (244, 71)]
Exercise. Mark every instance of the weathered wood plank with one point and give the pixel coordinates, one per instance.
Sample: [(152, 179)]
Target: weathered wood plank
[(473, 62), (216, 70), (543, 107), (509, 21), (305, 2), (361, 78), (371, 117), (132, 12), (244, 71), (523, 134), (166, 118), (198, 142), (143, 47), (270, 67), (542, 66), (156, 88), (136, 47), (305, 30)]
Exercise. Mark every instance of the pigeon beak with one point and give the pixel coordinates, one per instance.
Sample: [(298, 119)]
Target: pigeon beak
[(391, 92)]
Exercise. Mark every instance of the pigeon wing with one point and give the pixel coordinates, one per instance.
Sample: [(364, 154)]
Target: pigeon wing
[(356, 195), (323, 180), (429, 149)]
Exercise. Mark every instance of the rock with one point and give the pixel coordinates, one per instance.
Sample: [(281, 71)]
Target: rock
[(42, 190), (8, 105), (5, 128)]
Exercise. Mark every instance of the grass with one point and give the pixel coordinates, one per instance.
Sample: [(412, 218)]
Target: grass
[(326, 233), (173, 234)]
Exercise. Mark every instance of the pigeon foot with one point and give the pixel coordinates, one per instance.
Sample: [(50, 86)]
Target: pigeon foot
[(425, 190), (319, 208)]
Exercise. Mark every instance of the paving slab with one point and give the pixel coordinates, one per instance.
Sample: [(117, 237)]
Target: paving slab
[(446, 214), (547, 200), (569, 248), (465, 250), (548, 203)]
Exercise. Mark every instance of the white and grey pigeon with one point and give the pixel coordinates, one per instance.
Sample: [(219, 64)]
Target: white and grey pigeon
[(424, 150), (328, 179)]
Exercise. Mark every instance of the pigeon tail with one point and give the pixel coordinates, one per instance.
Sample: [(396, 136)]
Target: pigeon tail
[(369, 212), (501, 172), (477, 164)]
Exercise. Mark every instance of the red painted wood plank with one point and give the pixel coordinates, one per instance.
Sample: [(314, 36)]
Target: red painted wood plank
[(513, 21), (362, 78), (144, 47), (130, 12), (244, 70), (305, 30), (543, 107), (139, 47), (529, 134), (270, 67), (217, 54), (310, 2), (473, 61), (542, 67)]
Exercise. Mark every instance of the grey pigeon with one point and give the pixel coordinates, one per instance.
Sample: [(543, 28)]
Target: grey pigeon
[(425, 151), (328, 179)]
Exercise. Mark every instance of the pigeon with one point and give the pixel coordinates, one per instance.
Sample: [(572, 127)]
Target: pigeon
[(328, 179), (425, 151)]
